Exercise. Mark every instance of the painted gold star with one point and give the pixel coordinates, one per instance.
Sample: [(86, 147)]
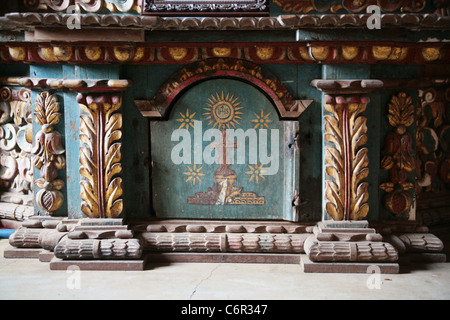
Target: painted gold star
[(194, 174), (261, 120), (187, 120), (256, 172)]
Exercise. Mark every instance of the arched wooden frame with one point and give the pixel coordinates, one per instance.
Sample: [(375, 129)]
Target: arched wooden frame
[(160, 105)]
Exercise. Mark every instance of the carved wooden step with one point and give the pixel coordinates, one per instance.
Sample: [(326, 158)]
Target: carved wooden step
[(224, 242)]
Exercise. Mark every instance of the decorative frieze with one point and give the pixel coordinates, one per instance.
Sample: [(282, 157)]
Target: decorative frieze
[(100, 155), (183, 53), (282, 22), (48, 154), (346, 158)]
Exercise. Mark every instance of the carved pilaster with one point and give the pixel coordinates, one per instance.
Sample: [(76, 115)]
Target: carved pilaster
[(48, 153), (100, 155), (346, 158)]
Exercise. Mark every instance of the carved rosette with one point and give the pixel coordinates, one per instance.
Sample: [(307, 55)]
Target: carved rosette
[(100, 155), (399, 156), (346, 159), (48, 153)]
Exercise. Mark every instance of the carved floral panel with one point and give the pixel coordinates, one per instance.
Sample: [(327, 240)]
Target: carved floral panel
[(16, 136)]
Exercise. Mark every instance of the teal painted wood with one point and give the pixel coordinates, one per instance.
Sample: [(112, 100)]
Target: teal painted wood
[(297, 80), (310, 144), (136, 145), (187, 183), (72, 129)]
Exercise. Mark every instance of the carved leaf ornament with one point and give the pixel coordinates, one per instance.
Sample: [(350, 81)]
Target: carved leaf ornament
[(346, 159), (47, 153), (399, 156), (100, 157)]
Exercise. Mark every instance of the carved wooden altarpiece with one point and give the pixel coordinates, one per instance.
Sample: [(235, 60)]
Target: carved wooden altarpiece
[(228, 139)]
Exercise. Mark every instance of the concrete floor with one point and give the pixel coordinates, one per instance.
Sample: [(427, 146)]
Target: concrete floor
[(30, 279)]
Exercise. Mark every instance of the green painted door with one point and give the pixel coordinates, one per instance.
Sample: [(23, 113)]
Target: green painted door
[(224, 154)]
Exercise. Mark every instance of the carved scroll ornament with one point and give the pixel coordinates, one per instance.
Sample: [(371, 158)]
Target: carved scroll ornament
[(48, 153), (346, 159), (100, 156), (16, 143)]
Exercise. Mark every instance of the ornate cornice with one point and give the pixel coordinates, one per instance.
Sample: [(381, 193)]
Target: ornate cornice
[(283, 22), (80, 85)]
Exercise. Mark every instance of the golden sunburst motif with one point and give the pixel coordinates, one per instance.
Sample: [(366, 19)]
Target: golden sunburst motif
[(187, 120), (256, 172), (261, 121), (194, 174), (223, 111)]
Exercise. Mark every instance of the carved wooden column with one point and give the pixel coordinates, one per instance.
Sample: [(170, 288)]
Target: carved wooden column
[(343, 241), (346, 157), (94, 242), (100, 155)]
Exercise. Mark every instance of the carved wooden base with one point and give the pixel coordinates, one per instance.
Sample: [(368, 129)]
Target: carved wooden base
[(223, 236), (330, 246), (11, 252), (348, 241), (269, 258), (99, 265), (309, 266)]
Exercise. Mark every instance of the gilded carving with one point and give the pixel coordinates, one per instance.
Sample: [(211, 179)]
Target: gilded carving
[(93, 53), (265, 53), (431, 54), (319, 52), (399, 156), (346, 159), (389, 53), (178, 53), (100, 156), (291, 53), (17, 53), (350, 52), (221, 52), (48, 153)]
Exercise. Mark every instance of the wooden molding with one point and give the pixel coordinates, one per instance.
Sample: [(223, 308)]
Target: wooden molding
[(158, 107)]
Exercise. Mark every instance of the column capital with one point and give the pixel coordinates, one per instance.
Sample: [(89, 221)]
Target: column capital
[(350, 86)]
